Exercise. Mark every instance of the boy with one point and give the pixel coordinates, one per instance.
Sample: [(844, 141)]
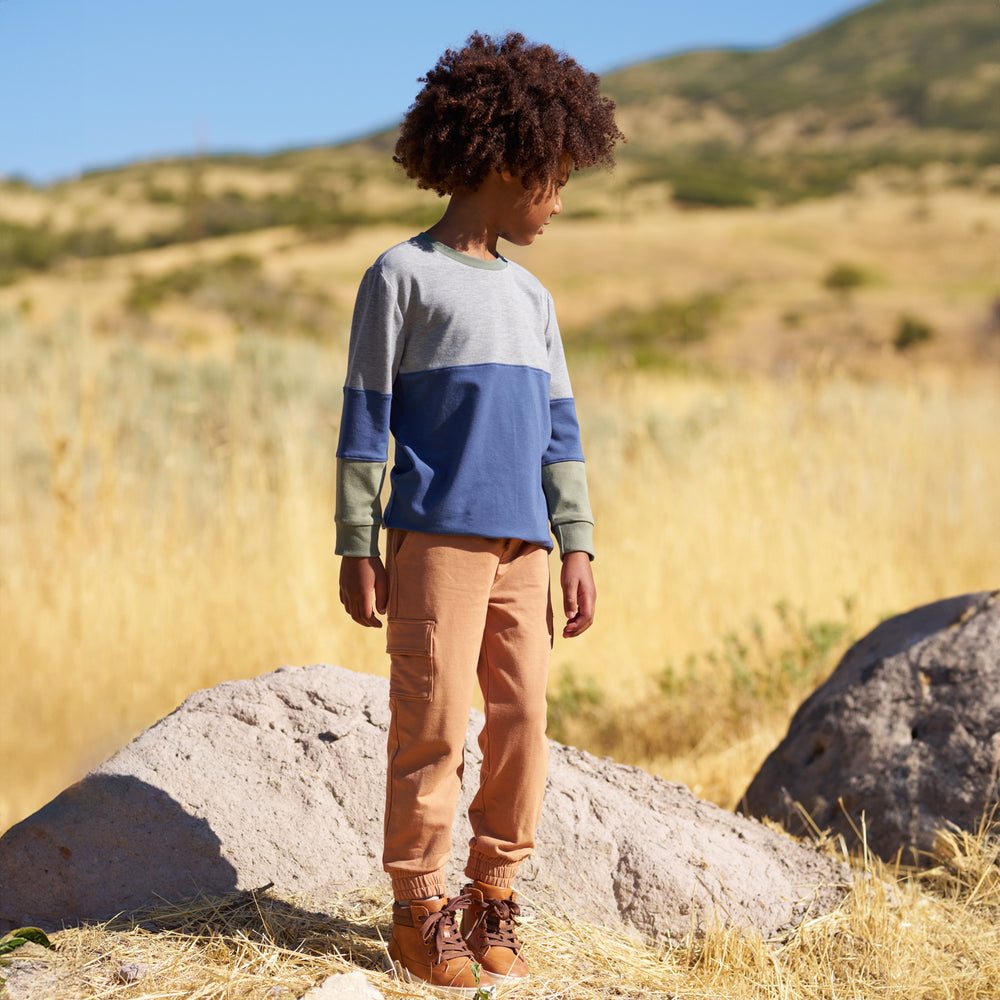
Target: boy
[(455, 352)]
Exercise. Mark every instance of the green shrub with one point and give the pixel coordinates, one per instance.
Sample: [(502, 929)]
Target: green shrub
[(910, 332), (762, 671), (237, 287), (574, 701), (31, 247), (843, 279), (649, 338), (159, 194), (713, 188), (39, 246), (752, 674), (148, 292)]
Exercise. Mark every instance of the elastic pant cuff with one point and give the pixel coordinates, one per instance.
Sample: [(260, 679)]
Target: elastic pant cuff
[(409, 887), (483, 869)]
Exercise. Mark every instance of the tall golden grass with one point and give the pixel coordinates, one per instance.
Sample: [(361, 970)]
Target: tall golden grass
[(167, 523), (841, 500)]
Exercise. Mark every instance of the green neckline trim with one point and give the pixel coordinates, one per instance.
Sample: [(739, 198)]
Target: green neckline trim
[(463, 258)]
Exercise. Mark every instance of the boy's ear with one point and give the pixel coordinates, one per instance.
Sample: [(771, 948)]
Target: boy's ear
[(506, 174)]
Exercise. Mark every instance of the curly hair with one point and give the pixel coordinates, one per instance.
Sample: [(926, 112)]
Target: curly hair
[(504, 104)]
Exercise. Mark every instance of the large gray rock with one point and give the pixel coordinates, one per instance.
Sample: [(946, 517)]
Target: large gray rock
[(280, 779), (905, 732)]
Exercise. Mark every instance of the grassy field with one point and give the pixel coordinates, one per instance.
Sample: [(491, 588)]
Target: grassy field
[(772, 470), (167, 524), (771, 475)]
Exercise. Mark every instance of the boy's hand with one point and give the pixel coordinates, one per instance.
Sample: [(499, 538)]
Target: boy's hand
[(579, 593), (361, 577)]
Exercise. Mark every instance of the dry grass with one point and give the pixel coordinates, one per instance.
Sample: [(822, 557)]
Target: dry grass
[(899, 935), (717, 502), (166, 524)]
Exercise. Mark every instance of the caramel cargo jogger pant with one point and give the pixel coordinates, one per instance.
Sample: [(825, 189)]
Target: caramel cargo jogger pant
[(462, 607)]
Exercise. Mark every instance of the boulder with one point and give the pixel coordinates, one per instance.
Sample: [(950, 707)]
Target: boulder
[(902, 740), (281, 779)]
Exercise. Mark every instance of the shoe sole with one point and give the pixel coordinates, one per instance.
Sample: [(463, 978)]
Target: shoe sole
[(505, 980), (400, 972)]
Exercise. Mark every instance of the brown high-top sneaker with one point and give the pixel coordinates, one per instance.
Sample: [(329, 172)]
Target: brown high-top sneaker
[(427, 946), (490, 930)]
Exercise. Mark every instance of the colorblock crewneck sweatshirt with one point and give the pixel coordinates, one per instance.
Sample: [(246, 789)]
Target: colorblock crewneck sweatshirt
[(460, 362)]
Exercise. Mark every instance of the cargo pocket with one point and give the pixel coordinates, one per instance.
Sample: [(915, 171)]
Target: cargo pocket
[(411, 646)]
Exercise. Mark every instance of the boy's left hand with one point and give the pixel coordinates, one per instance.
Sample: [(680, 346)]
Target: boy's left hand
[(579, 593)]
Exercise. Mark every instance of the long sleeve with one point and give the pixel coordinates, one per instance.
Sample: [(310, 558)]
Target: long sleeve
[(564, 478), (565, 487), (362, 451)]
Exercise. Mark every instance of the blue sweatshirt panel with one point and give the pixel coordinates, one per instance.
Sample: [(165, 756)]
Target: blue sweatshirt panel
[(564, 444), (364, 425), (469, 443)]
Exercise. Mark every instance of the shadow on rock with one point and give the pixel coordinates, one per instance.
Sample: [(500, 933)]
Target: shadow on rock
[(104, 846)]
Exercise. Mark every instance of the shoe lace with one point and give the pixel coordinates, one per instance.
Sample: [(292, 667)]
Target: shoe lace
[(499, 923), (441, 931)]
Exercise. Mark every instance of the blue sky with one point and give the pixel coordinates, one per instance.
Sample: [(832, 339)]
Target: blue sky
[(91, 83)]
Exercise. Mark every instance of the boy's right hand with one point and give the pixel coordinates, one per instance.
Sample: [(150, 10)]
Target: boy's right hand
[(361, 578)]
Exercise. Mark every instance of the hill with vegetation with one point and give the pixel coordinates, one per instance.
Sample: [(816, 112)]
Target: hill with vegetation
[(899, 83)]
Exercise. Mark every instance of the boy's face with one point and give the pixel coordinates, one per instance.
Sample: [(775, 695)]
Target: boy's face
[(527, 211)]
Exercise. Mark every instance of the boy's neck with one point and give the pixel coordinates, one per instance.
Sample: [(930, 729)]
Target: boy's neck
[(467, 225)]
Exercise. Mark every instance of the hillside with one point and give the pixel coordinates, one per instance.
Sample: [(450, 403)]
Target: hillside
[(884, 113), (933, 64), (900, 82)]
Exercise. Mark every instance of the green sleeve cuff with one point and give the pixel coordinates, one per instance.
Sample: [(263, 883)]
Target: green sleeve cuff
[(574, 536), (359, 506), (357, 539), (565, 487)]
